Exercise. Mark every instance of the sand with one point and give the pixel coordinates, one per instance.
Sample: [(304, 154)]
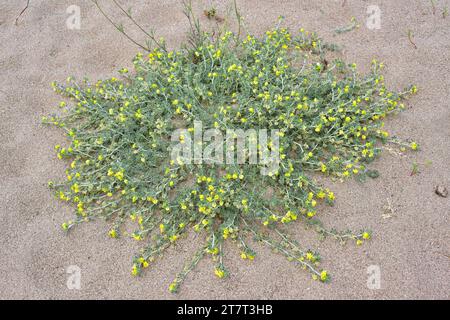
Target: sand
[(411, 247)]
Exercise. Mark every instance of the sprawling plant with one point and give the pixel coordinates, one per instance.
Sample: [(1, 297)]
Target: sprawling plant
[(330, 121)]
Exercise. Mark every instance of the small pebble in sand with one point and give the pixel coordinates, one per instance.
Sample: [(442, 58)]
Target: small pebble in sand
[(441, 191)]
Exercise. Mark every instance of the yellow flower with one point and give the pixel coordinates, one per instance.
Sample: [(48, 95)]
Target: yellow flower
[(359, 242), (323, 275), (311, 214), (173, 287), (414, 146), (136, 236), (366, 235), (219, 272), (321, 194), (214, 251), (112, 233), (134, 270), (152, 200), (75, 188)]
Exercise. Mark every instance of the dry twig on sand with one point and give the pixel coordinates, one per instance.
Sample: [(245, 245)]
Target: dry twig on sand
[(433, 7), (410, 38), (16, 22)]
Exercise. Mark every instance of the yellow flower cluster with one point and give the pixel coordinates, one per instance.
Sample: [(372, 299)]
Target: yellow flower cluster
[(329, 121)]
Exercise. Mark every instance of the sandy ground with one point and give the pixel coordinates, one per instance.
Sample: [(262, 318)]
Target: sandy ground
[(412, 248)]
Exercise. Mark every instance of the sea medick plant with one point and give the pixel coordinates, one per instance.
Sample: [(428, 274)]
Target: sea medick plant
[(330, 121)]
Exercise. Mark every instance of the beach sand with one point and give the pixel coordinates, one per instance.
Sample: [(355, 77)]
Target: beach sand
[(411, 247)]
